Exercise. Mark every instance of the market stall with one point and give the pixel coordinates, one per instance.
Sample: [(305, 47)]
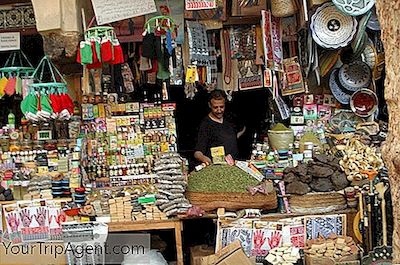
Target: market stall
[(314, 186)]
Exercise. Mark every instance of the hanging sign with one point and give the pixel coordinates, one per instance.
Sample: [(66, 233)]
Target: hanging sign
[(121, 9), (200, 4), (10, 41)]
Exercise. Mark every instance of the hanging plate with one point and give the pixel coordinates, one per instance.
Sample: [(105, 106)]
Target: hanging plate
[(336, 89), (373, 23), (360, 40), (355, 75), (345, 121), (364, 102), (331, 28), (354, 7), (369, 55)]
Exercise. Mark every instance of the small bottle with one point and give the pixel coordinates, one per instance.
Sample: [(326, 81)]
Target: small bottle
[(272, 124), (11, 120)]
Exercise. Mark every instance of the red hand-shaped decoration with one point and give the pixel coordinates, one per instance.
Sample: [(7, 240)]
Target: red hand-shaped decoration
[(61, 217), (275, 239), (40, 216), (13, 222), (258, 239), (26, 217)]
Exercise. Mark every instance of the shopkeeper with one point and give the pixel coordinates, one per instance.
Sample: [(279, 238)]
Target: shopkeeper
[(215, 130)]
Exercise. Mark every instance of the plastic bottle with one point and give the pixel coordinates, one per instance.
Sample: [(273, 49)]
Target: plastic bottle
[(11, 120)]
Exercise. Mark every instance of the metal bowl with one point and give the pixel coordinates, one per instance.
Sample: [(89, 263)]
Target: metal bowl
[(364, 102)]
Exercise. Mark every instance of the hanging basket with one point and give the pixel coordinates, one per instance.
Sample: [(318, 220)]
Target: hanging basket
[(98, 31), (283, 8), (47, 67), (160, 24), (48, 98), (17, 64)]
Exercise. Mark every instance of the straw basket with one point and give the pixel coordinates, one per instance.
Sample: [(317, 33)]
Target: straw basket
[(317, 202), (318, 2), (283, 8), (348, 260), (209, 201), (280, 140)]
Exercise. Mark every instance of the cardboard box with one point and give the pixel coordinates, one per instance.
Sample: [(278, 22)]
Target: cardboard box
[(232, 254), (198, 252)]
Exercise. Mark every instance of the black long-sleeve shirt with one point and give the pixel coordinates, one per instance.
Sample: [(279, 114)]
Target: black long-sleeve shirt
[(213, 134)]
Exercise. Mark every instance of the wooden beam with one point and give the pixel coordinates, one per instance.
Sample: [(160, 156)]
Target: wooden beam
[(242, 21)]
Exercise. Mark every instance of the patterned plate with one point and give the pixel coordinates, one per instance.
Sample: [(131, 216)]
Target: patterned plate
[(355, 75), (331, 29), (369, 55), (336, 89), (361, 38), (354, 7), (373, 23)]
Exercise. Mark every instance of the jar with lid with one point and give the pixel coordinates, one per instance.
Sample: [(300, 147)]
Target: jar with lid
[(5, 143), (14, 146)]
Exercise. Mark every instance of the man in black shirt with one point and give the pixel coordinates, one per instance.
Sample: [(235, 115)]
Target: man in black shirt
[(216, 131)]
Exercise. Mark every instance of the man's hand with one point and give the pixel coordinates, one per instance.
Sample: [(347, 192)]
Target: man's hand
[(202, 158)]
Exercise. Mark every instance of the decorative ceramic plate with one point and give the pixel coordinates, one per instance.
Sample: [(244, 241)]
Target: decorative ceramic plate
[(355, 75), (369, 55), (336, 88), (331, 29), (354, 7), (360, 40), (364, 102), (373, 23)]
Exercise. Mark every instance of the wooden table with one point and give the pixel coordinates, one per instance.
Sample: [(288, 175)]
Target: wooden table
[(148, 225)]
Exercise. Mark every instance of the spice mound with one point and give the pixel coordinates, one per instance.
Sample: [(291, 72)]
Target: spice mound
[(220, 178)]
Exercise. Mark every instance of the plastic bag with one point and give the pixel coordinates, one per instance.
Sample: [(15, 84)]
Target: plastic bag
[(152, 257)]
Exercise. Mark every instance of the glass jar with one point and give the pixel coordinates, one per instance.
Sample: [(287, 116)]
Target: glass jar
[(14, 146), (5, 143)]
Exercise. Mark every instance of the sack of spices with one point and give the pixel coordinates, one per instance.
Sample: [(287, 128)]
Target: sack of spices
[(280, 137)]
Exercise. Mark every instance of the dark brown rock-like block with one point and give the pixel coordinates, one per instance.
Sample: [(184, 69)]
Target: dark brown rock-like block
[(321, 184), (297, 187)]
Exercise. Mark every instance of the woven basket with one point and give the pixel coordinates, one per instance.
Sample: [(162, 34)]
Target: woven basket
[(348, 260), (318, 2), (283, 8), (318, 202), (209, 201), (280, 140)]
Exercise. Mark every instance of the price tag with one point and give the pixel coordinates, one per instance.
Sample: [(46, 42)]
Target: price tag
[(75, 156), (43, 170)]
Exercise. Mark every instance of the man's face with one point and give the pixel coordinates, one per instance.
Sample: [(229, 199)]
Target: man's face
[(217, 107)]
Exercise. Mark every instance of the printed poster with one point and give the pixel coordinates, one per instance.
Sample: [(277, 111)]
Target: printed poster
[(267, 40), (277, 50), (325, 225), (121, 9), (34, 223), (293, 81), (56, 217), (13, 223), (250, 75)]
